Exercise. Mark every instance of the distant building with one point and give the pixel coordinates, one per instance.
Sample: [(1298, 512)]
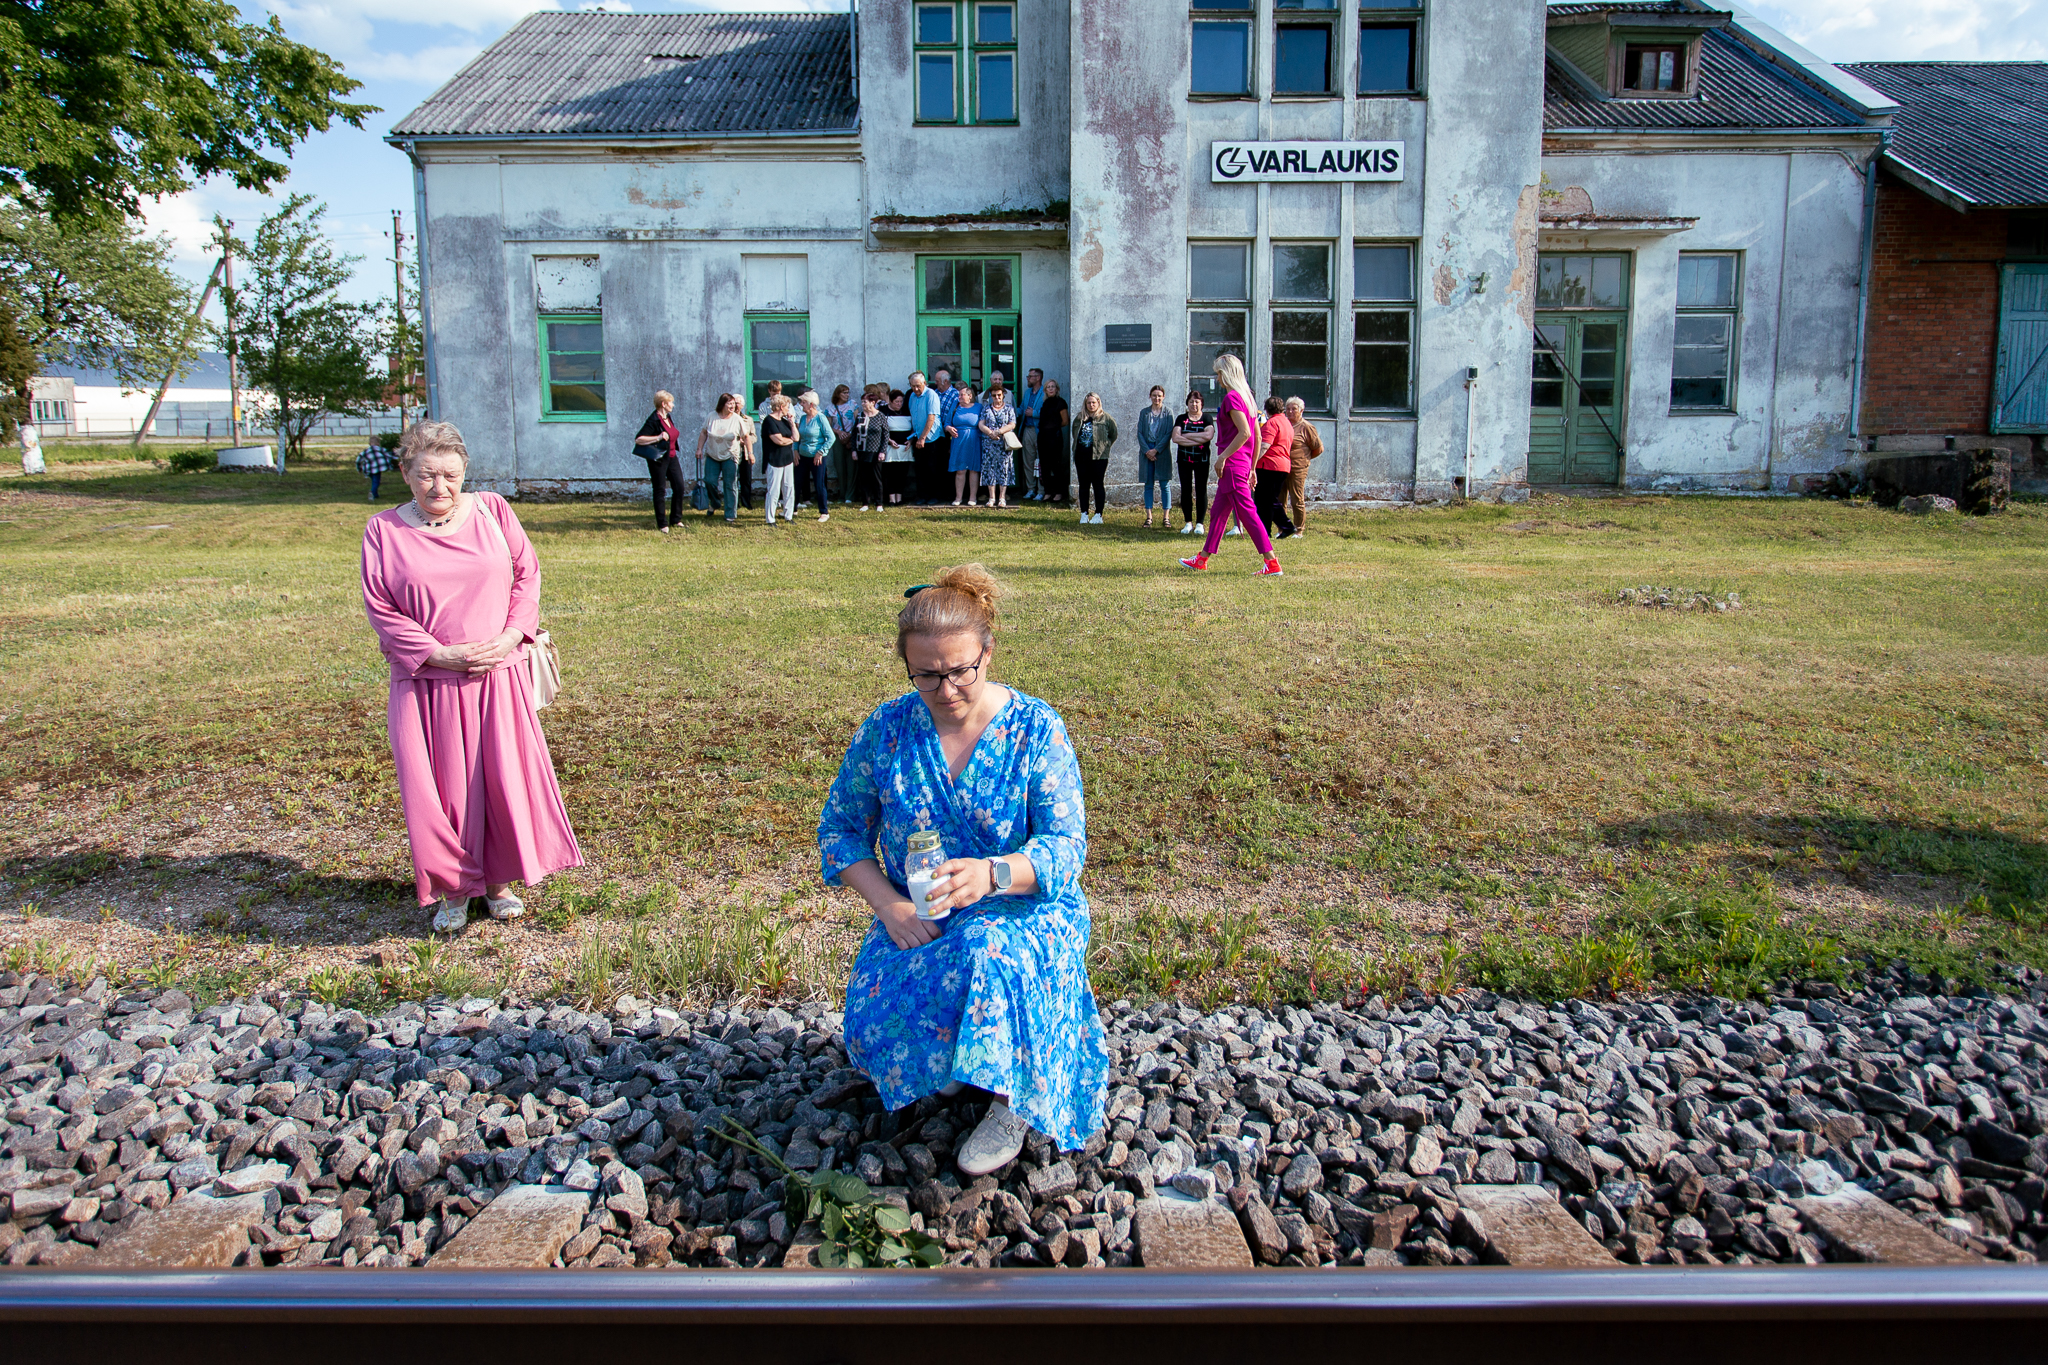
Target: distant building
[(1957, 331), (1640, 224), (73, 401)]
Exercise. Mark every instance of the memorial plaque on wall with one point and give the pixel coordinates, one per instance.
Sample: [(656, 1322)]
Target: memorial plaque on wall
[(1127, 336)]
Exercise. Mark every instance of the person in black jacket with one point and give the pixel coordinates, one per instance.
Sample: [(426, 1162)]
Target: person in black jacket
[(656, 444)]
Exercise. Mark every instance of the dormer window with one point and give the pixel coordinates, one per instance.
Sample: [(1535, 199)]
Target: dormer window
[(1653, 70)]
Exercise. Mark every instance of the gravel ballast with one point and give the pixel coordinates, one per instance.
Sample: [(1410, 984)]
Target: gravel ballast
[(1676, 1130)]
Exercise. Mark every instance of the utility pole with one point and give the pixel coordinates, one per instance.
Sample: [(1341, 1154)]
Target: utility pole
[(227, 259), (184, 340), (404, 355)]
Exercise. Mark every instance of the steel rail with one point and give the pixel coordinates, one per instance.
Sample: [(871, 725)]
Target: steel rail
[(1814, 1314)]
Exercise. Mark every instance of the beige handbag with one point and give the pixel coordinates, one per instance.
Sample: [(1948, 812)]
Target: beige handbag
[(543, 661)]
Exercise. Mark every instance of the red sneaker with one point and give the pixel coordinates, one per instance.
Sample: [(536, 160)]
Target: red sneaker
[(1272, 569), (1198, 562)]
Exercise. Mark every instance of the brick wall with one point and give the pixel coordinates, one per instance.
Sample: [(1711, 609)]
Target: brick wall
[(1932, 333)]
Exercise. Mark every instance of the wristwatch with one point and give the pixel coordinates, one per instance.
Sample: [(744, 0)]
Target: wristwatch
[(999, 872)]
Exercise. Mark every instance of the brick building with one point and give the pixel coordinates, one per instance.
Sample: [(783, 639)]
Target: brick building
[(1956, 330)]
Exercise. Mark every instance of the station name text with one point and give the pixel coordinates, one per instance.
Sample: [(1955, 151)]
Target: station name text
[(1238, 162)]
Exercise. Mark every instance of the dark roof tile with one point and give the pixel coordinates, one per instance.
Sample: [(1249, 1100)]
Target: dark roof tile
[(650, 75), (1980, 128)]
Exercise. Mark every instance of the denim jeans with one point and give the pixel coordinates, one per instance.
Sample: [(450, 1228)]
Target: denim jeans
[(1160, 472), (727, 475)]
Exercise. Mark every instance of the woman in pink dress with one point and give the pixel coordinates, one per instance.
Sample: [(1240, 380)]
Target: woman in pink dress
[(453, 591)]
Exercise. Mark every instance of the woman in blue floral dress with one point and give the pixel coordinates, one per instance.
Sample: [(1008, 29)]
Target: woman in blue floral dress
[(998, 469), (996, 993)]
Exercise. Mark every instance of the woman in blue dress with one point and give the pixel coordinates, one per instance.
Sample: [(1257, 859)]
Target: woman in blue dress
[(995, 994), (998, 419), (963, 425)]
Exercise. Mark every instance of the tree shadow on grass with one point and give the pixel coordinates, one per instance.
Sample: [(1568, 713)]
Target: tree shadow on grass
[(2007, 870)]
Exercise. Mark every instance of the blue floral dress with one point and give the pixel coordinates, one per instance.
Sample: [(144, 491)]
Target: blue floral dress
[(1000, 999), (998, 470)]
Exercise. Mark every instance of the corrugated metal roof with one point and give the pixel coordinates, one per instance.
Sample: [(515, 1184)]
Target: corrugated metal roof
[(1981, 128), (650, 75), (1736, 88)]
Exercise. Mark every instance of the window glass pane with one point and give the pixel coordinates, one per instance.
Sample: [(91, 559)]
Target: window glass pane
[(1386, 58), (1381, 272), (1582, 281), (576, 367), (935, 24), (1610, 287), (1222, 59), (1699, 361), (1706, 281), (968, 290), (1301, 273), (935, 87), (1301, 357), (1212, 333), (996, 288), (1598, 345), (1546, 370), (938, 285), (995, 89), (1301, 59), (1218, 272), (1379, 361), (995, 24), (576, 336), (1222, 4), (575, 398), (1304, 4)]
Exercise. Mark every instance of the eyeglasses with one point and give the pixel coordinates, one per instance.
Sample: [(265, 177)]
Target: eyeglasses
[(962, 678)]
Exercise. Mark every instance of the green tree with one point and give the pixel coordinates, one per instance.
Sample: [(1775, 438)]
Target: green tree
[(105, 101), (94, 292), (299, 341)]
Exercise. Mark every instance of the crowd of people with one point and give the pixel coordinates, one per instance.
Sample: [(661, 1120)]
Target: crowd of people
[(943, 442)]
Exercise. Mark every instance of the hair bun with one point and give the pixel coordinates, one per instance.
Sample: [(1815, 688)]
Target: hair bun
[(962, 600)]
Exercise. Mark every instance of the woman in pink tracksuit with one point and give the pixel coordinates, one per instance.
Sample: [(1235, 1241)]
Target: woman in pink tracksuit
[(1237, 436)]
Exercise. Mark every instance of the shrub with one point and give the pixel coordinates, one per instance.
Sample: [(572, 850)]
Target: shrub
[(191, 461)]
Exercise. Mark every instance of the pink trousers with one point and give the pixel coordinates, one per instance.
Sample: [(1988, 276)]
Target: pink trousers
[(1234, 498), (481, 802)]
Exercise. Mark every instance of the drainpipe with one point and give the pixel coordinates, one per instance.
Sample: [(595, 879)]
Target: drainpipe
[(1884, 140), (1471, 397), (419, 246), (853, 47)]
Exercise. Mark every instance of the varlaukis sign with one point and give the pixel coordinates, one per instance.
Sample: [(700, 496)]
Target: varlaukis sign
[(1236, 162)]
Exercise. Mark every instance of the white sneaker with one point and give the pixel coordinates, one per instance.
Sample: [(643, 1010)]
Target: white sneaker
[(1084, 518), (1198, 529), (824, 516), (449, 915), (994, 1143), (1187, 528), (1235, 531), (507, 906), (1096, 520)]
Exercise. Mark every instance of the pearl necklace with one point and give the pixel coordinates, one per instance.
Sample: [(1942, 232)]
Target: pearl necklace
[(421, 513)]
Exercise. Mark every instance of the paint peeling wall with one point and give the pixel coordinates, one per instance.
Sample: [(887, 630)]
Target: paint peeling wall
[(669, 236), (1142, 191), (1796, 218)]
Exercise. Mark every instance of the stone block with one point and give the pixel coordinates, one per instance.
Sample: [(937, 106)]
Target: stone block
[(197, 1232), (1862, 1227), (1523, 1225), (1189, 1234), (523, 1228)]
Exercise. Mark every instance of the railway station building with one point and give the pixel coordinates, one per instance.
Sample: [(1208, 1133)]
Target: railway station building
[(1492, 244)]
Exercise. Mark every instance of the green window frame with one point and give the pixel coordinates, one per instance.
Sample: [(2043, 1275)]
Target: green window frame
[(965, 62), (572, 367), (1706, 334), (769, 356)]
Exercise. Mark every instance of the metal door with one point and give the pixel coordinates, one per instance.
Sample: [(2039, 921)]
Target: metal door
[(1574, 398), (2019, 400)]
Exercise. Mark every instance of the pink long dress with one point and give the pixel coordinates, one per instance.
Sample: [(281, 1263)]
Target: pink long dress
[(481, 802)]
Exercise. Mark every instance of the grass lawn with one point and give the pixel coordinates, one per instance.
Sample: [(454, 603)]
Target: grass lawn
[(1439, 750)]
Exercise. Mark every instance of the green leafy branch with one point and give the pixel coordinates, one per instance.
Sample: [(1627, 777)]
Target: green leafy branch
[(859, 1230)]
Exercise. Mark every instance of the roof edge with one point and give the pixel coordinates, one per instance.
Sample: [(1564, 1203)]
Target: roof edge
[(1929, 184), (1778, 49), (402, 140)]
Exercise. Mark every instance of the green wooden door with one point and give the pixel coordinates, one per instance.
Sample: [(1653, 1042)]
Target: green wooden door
[(2020, 393), (1574, 398), (973, 344)]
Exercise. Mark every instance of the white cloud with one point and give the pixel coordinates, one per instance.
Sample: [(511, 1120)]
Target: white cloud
[(1914, 30)]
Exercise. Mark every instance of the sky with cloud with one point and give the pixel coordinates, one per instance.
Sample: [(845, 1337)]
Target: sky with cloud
[(401, 57)]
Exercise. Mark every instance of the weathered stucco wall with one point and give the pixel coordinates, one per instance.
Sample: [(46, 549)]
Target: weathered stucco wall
[(670, 236), (1797, 220)]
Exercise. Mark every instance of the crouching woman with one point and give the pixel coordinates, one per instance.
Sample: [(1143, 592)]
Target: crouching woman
[(995, 994)]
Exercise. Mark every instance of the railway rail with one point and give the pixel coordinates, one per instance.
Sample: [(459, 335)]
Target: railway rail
[(1813, 1315)]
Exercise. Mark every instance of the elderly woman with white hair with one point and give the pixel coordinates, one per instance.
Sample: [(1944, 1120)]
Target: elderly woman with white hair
[(452, 588)]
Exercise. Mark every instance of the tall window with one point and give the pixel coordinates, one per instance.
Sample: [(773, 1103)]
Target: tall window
[(572, 368), (1219, 309), (966, 55), (1301, 335), (1387, 31), (1222, 48), (778, 293), (1383, 327), (1304, 48), (1703, 344)]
